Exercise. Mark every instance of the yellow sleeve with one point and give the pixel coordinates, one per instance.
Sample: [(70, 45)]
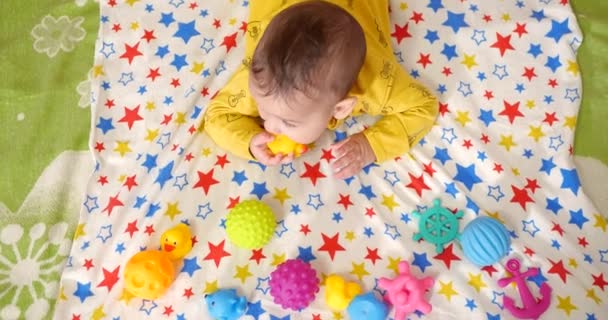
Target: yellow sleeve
[(409, 112), (231, 119)]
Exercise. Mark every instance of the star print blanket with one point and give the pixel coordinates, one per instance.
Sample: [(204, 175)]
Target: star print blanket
[(509, 86)]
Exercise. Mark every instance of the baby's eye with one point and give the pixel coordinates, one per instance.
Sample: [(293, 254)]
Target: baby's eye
[(289, 124)]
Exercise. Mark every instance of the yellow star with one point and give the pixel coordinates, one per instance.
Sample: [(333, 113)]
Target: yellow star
[(463, 117), (172, 210), (566, 305), (79, 231), (62, 294), (359, 270), (469, 61), (210, 287), (476, 282), (281, 195), (122, 147), (337, 315), (243, 273), (591, 295), (570, 122), (507, 142), (126, 296), (97, 71), (393, 264), (573, 263), (573, 67), (152, 134), (515, 172), (150, 105), (98, 314), (205, 152), (530, 104), (131, 2), (180, 118), (600, 222), (121, 178), (389, 202), (197, 68), (134, 25), (277, 259), (536, 133), (447, 290), (403, 6), (506, 17), (350, 236), (495, 215), (232, 21)]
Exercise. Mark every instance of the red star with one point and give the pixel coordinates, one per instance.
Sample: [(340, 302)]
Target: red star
[(148, 35), (447, 256), (175, 82), (582, 241), (216, 23), (417, 17), (424, 60), (131, 52), (111, 3), (532, 185), (401, 33), (233, 202), (345, 201), (304, 229), (88, 263), (216, 252), (467, 143), (417, 184), (446, 71), (113, 202), (487, 18), (189, 156), (557, 227), (498, 167), (205, 92), (222, 161), (327, 155), (188, 293), (443, 108), (116, 27), (599, 281), (550, 118), (243, 27), (99, 146), (558, 268), (563, 2), (331, 245), (520, 29), (257, 255), (529, 252), (132, 228), (485, 138), (153, 73), (229, 42), (428, 168), (131, 115), (490, 270), (168, 311), (194, 240), (193, 5), (149, 230), (372, 255), (529, 73), (552, 83), (192, 129), (314, 316), (75, 317), (130, 182), (205, 181), (511, 111), (370, 212), (109, 103), (502, 43), (521, 196), (109, 278), (312, 172), (489, 95)]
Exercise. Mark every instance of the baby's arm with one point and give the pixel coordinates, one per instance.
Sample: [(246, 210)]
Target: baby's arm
[(230, 118)]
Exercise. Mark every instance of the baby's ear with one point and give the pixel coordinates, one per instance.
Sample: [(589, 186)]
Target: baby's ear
[(344, 107)]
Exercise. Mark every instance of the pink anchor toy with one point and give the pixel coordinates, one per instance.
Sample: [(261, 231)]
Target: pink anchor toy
[(532, 308), (406, 292)]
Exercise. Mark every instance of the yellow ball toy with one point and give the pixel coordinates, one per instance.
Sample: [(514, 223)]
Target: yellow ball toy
[(250, 224)]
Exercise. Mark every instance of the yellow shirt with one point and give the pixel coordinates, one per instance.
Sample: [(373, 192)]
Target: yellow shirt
[(382, 87)]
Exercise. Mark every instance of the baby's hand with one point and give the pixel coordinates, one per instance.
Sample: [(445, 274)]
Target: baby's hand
[(352, 154), (259, 149)]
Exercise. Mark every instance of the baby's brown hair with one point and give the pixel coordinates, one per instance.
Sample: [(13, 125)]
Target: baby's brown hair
[(314, 47)]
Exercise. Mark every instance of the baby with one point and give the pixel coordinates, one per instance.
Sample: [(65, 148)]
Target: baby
[(309, 65)]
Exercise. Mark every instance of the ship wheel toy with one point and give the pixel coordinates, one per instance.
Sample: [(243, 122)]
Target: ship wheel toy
[(437, 225)]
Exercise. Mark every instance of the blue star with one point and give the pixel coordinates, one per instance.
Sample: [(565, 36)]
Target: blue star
[(588, 258), (450, 188), (368, 232), (368, 167), (435, 5), (538, 279), (528, 153), (176, 3), (91, 203), (164, 139), (305, 254), (535, 50), (467, 176), (164, 174), (553, 63), (493, 316), (295, 209), (220, 68), (125, 78), (553, 205), (179, 61), (441, 89), (120, 248), (204, 13), (530, 227), (340, 135), (497, 298), (391, 177), (105, 85), (519, 87), (479, 36), (603, 255), (166, 18), (186, 31), (473, 206), (105, 233), (108, 49), (555, 244), (421, 261), (337, 216), (150, 162), (273, 317), (415, 74), (204, 210), (538, 15), (470, 304), (547, 165), (147, 306), (590, 316), (431, 36), (190, 266), (465, 89), (481, 76), (500, 71), (142, 90), (558, 30), (152, 209), (259, 189), (487, 116), (442, 155), (139, 201), (317, 203), (179, 316), (405, 217), (578, 218), (448, 135), (449, 51), (149, 8), (391, 231), (570, 180), (367, 192), (495, 193), (162, 51), (168, 100), (255, 310), (105, 125), (239, 177), (263, 285), (207, 45), (83, 291), (455, 21), (287, 169), (481, 155), (572, 94)]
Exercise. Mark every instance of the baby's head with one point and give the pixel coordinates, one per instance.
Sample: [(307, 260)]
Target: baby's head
[(303, 68)]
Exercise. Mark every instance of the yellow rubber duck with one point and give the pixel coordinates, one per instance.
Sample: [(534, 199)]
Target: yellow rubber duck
[(177, 241), (282, 144), (339, 293)]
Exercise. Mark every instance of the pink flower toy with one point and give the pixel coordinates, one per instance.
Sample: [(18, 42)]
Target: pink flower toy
[(406, 292)]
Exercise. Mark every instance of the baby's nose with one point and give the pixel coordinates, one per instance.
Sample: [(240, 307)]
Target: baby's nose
[(272, 127)]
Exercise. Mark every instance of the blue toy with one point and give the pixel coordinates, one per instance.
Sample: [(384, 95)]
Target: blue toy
[(367, 307), (225, 304), (485, 241)]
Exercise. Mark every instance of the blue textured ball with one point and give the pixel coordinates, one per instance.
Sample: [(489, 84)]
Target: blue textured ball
[(485, 241)]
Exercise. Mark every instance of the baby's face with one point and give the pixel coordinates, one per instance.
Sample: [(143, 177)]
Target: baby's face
[(302, 119)]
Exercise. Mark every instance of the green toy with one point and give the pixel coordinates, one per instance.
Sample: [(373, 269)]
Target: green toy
[(250, 224), (437, 225)]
